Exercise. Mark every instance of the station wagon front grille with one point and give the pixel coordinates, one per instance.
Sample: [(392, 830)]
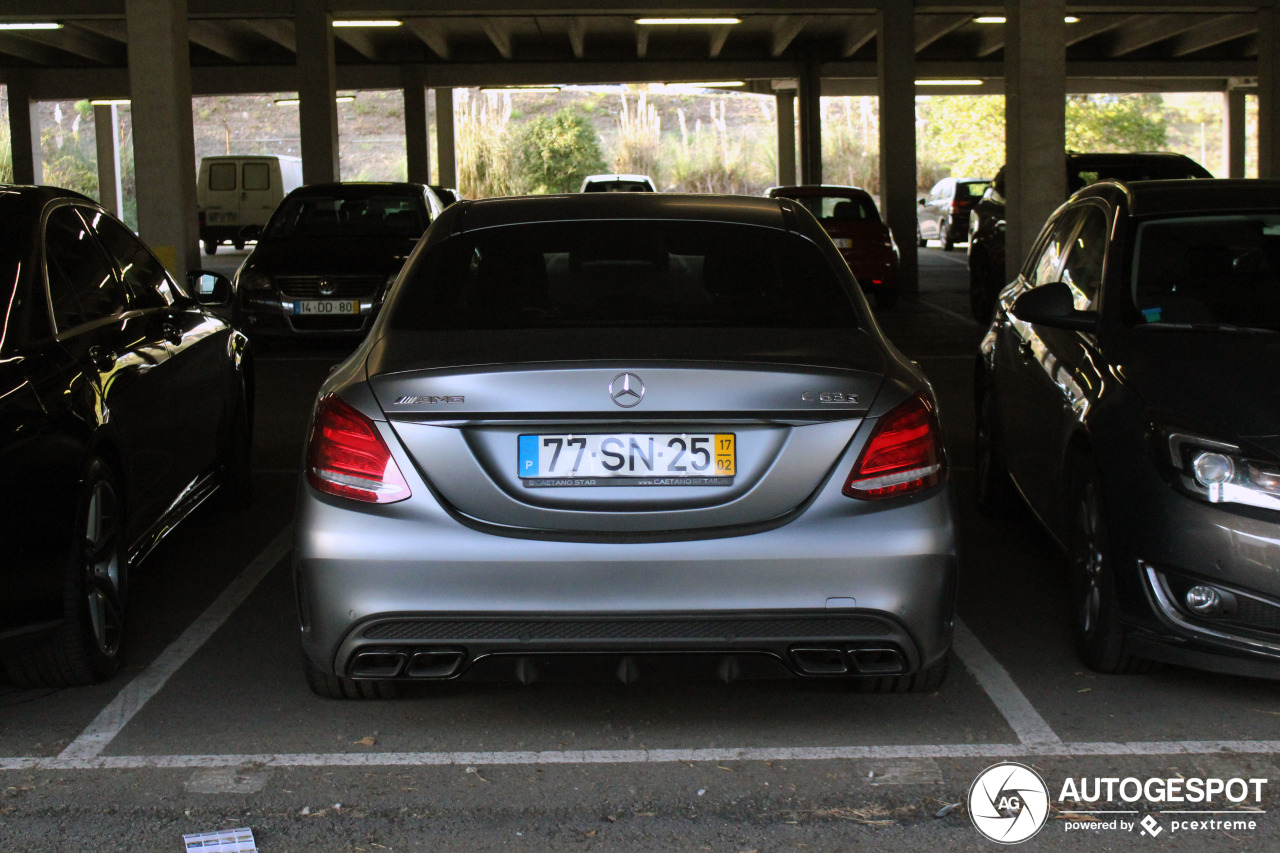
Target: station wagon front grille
[(341, 286), (623, 629)]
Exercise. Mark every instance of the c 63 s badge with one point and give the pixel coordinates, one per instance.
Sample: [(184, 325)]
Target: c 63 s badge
[(420, 401), (828, 397)]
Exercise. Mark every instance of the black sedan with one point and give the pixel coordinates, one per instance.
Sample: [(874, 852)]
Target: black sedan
[(1126, 390), (327, 255), (125, 402)]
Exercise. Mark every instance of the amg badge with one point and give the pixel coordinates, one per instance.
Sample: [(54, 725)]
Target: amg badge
[(829, 397), (418, 401)]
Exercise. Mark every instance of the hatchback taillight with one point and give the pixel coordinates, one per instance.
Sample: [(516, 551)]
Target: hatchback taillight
[(904, 454), (347, 457)]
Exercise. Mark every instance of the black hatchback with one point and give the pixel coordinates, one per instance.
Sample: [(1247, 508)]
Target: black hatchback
[(327, 255), (1127, 391), (125, 401)]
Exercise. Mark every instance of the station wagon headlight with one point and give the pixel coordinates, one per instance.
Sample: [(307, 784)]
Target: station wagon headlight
[(1219, 472), (252, 279)]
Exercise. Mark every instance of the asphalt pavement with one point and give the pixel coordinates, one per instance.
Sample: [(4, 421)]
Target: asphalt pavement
[(210, 727)]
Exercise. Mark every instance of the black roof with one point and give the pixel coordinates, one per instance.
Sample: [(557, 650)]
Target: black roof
[(747, 210), (1199, 195), (357, 189)]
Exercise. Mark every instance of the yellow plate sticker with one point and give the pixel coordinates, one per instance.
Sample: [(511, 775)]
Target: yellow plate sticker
[(725, 455)]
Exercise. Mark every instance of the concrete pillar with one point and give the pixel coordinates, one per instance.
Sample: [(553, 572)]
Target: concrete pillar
[(446, 155), (106, 130), (417, 131), (896, 70), (24, 132), (809, 103), (317, 91), (1233, 134), (164, 149), (1268, 93), (1035, 120), (786, 100)]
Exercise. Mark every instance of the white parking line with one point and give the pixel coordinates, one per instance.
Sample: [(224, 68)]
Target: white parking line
[(129, 701), (964, 318), (1023, 718), (1083, 749)]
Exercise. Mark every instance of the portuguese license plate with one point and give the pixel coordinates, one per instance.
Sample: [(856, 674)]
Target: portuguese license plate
[(843, 243), (628, 459), (326, 306)]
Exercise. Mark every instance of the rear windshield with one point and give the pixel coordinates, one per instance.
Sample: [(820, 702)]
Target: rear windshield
[(1135, 170), (1208, 269), (618, 187), (357, 216), (841, 207), (623, 273), (971, 189)]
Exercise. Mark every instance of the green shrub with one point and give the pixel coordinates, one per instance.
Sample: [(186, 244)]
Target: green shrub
[(556, 152)]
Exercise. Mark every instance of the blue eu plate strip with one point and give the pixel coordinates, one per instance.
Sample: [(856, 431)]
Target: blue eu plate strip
[(528, 456)]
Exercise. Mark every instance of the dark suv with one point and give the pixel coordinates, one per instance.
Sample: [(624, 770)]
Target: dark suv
[(987, 219)]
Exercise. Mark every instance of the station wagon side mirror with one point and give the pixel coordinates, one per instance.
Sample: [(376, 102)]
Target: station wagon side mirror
[(1053, 305), (209, 288)]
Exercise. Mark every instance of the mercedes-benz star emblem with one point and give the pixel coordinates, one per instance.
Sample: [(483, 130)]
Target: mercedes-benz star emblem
[(626, 390)]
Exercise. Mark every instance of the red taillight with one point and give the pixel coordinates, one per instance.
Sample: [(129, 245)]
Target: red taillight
[(347, 457), (904, 454)]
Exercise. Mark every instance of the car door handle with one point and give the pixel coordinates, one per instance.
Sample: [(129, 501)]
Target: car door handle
[(103, 360), (171, 333)]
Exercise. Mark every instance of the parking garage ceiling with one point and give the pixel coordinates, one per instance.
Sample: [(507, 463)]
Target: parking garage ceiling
[(250, 45)]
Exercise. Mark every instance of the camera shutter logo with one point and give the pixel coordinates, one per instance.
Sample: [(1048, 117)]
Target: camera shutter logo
[(1009, 803)]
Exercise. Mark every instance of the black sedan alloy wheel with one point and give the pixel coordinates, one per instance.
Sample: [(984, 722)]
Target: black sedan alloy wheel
[(87, 647), (1099, 634)]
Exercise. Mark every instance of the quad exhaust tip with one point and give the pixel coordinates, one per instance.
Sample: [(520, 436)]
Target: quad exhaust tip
[(396, 663), (848, 660)]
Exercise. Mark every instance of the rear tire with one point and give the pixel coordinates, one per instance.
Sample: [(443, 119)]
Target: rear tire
[(1100, 637), (210, 247), (238, 245), (925, 680), (982, 302), (995, 493), (236, 490), (944, 235), (88, 646), (329, 686), (921, 242)]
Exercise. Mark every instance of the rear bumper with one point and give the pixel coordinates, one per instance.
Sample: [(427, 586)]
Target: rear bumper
[(841, 587)]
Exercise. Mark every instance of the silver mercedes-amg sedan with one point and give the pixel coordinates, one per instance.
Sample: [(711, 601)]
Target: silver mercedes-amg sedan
[(654, 432)]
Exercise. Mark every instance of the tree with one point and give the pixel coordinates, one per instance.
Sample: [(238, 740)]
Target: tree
[(556, 152), (1116, 123), (965, 132)]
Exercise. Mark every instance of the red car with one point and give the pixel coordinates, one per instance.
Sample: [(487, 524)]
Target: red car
[(850, 216)]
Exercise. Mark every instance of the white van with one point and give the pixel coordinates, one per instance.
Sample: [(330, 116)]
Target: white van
[(238, 190)]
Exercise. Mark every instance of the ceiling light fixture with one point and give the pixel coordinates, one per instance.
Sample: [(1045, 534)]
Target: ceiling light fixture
[(385, 23), (109, 102), (948, 82), (676, 22), (293, 102), (521, 90), (1000, 19), (30, 25)]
